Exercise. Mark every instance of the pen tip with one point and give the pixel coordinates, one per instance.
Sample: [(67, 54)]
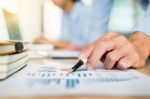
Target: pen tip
[(66, 69), (70, 72)]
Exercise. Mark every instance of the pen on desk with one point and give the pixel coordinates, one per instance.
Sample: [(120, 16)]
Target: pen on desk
[(78, 65)]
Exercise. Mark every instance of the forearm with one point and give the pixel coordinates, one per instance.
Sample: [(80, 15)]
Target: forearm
[(141, 43)]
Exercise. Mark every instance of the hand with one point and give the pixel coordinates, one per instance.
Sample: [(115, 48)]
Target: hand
[(57, 43), (41, 40), (116, 50), (71, 46), (60, 44)]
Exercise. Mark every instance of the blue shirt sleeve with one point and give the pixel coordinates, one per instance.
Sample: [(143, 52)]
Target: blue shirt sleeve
[(144, 25)]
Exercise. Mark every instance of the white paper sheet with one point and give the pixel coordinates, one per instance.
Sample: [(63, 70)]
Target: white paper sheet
[(53, 80)]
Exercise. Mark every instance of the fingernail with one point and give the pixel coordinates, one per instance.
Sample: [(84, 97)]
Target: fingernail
[(89, 67), (82, 56)]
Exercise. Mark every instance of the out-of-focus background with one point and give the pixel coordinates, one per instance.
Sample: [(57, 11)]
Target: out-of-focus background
[(38, 17)]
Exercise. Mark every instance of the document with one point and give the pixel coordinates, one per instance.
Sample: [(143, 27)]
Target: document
[(54, 79)]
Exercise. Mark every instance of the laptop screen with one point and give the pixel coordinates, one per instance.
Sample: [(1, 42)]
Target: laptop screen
[(12, 25)]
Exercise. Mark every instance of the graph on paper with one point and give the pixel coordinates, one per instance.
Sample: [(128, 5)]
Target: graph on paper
[(50, 76), (54, 80)]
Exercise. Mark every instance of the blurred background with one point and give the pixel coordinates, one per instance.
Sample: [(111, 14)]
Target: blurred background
[(43, 17)]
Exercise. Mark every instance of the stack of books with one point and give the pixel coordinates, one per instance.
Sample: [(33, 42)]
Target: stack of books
[(13, 57)]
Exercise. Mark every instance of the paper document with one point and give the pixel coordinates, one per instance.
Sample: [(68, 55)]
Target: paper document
[(54, 80)]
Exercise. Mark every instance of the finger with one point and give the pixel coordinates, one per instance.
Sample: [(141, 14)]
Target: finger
[(113, 57), (139, 64), (110, 35), (104, 56), (99, 51), (85, 53), (125, 62)]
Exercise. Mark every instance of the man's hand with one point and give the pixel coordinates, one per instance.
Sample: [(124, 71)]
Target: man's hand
[(41, 40), (116, 50), (59, 44)]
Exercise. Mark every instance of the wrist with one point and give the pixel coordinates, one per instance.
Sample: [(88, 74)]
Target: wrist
[(142, 43)]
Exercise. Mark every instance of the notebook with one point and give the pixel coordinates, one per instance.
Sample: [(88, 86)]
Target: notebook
[(12, 25)]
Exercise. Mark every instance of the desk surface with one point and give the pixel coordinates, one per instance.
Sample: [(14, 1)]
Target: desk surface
[(145, 70)]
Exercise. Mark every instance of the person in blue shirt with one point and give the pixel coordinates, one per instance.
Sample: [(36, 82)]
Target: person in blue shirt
[(112, 49), (81, 23), (115, 50), (83, 20)]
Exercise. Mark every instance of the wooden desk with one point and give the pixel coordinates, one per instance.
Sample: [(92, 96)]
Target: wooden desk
[(145, 70)]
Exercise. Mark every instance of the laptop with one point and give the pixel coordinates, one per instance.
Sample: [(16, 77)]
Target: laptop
[(12, 25)]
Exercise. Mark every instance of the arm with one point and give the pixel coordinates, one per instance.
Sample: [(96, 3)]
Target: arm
[(144, 25), (141, 42)]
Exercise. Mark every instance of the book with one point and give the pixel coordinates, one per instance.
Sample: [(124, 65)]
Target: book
[(4, 75), (6, 59), (9, 47), (10, 66)]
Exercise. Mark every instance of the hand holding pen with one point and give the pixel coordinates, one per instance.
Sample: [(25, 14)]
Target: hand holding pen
[(115, 50), (82, 61)]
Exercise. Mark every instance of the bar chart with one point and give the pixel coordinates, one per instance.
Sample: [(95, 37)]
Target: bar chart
[(45, 80), (71, 81)]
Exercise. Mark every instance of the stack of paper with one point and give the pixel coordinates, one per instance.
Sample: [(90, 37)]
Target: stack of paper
[(13, 57)]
